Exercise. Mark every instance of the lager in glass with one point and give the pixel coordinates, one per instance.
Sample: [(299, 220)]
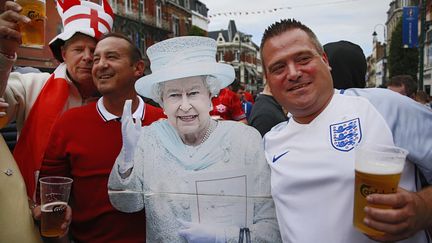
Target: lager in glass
[(54, 194), (377, 170), (52, 218), (33, 33)]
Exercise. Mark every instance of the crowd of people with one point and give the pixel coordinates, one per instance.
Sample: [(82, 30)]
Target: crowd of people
[(205, 161)]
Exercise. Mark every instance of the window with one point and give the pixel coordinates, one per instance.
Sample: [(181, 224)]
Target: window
[(142, 6), (143, 45), (237, 55), (428, 89), (406, 3), (187, 25), (220, 56), (158, 14), (186, 4), (128, 6), (175, 25), (113, 4), (428, 47), (429, 54)]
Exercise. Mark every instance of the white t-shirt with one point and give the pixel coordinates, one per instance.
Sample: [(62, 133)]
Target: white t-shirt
[(312, 168)]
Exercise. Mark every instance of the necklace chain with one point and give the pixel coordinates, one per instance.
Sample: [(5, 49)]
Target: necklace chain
[(208, 131)]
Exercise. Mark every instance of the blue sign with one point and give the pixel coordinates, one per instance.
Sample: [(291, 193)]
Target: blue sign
[(410, 27)]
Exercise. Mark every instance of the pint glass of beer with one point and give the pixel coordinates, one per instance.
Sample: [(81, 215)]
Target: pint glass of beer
[(54, 194), (377, 170), (33, 33)]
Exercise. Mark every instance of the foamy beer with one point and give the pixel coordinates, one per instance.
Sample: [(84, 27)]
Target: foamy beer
[(54, 194), (377, 170), (33, 33), (53, 215)]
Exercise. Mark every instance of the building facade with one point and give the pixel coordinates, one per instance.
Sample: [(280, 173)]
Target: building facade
[(376, 65), (394, 14), (238, 49), (427, 58), (377, 62), (41, 58), (200, 15), (144, 21)]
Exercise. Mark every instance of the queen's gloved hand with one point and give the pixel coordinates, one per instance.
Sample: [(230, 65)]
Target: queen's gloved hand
[(130, 134), (202, 233)]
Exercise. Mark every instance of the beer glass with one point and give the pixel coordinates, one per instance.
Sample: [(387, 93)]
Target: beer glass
[(377, 170), (54, 194), (33, 33)]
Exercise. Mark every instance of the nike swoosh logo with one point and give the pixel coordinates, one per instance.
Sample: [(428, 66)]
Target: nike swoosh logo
[(275, 158)]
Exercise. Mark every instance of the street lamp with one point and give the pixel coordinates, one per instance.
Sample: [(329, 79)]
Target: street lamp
[(374, 34)]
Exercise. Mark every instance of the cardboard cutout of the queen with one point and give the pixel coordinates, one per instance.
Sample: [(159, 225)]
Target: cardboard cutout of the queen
[(198, 179)]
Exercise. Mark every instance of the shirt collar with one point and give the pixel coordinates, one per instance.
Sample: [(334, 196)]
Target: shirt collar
[(107, 116), (85, 100)]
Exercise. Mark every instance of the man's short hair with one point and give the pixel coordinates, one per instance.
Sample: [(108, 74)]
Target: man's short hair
[(135, 53), (284, 25), (236, 88), (404, 80), (422, 97)]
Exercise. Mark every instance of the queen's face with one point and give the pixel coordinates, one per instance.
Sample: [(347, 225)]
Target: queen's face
[(187, 104)]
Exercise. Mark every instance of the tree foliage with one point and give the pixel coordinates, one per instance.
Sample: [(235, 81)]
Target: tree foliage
[(197, 31), (402, 60)]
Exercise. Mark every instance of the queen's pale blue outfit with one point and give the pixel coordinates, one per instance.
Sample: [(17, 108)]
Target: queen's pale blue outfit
[(163, 166)]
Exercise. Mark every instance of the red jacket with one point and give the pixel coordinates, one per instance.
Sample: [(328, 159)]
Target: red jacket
[(228, 106)]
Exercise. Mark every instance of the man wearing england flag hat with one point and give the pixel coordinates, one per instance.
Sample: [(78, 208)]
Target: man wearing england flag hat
[(37, 100)]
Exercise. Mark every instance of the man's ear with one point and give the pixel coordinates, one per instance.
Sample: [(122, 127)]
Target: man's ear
[(139, 68), (63, 52), (325, 59)]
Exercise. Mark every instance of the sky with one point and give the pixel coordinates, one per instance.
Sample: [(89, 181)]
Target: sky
[(331, 20)]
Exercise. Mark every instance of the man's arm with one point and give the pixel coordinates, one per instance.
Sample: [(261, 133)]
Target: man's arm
[(411, 212), (409, 122), (411, 127), (56, 163), (10, 39)]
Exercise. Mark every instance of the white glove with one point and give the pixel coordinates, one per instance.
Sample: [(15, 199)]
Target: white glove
[(202, 233), (130, 134)]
